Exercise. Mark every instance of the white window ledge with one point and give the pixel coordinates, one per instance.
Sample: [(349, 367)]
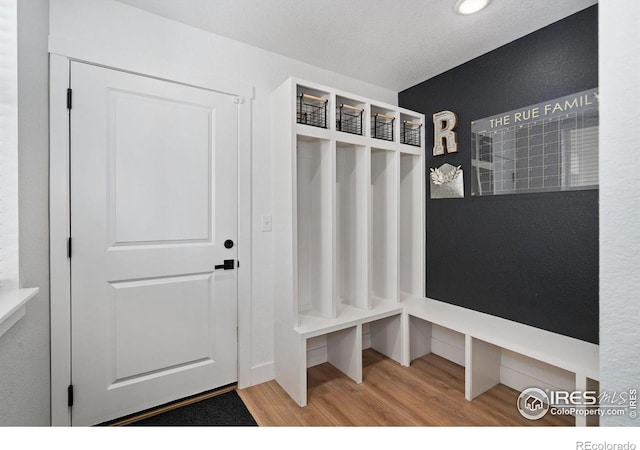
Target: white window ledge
[(12, 306)]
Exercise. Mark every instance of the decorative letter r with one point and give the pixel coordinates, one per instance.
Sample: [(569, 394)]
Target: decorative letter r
[(444, 138)]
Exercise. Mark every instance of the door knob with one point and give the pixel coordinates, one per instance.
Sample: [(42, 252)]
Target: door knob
[(228, 265)]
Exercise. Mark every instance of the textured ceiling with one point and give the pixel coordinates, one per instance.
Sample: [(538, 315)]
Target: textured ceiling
[(393, 44)]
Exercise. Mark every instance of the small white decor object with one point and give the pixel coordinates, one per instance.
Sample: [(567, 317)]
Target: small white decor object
[(447, 181)]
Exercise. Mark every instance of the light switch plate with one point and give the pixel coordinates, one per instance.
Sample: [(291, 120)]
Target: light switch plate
[(266, 223)]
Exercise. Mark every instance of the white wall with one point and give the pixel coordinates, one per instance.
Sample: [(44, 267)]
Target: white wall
[(619, 55), (24, 350), (117, 35)]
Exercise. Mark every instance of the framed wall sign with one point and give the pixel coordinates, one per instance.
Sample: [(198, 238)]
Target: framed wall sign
[(550, 146)]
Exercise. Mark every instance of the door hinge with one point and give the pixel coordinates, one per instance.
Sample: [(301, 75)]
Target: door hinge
[(70, 395), (69, 98), (69, 248)]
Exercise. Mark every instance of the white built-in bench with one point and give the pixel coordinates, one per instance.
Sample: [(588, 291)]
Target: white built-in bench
[(486, 336), (404, 332)]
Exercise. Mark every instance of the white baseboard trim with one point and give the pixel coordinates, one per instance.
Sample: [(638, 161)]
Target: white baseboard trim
[(448, 351), (366, 341), (262, 373), (520, 381), (316, 356), (520, 372)]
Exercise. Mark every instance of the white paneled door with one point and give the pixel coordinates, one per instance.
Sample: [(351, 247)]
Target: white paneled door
[(153, 212)]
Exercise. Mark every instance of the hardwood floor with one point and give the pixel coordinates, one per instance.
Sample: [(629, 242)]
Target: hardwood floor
[(429, 393)]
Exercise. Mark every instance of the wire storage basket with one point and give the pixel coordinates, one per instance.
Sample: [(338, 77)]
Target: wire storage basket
[(411, 133), (349, 119), (382, 126), (312, 110)]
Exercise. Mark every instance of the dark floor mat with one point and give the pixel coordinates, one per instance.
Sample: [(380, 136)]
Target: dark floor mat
[(224, 410)]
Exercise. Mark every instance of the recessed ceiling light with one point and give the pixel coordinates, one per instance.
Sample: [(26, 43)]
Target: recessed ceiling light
[(470, 6)]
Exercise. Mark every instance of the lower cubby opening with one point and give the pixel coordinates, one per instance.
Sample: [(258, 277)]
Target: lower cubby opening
[(342, 349), (386, 336)]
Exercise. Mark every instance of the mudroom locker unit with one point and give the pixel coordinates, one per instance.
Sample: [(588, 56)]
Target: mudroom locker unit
[(348, 226)]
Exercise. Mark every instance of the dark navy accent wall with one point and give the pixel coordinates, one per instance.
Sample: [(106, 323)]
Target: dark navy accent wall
[(531, 258)]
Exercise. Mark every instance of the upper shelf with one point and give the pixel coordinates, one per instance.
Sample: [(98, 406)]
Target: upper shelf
[(325, 113)]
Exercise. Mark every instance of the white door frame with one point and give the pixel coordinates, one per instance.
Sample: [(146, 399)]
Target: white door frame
[(59, 215)]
